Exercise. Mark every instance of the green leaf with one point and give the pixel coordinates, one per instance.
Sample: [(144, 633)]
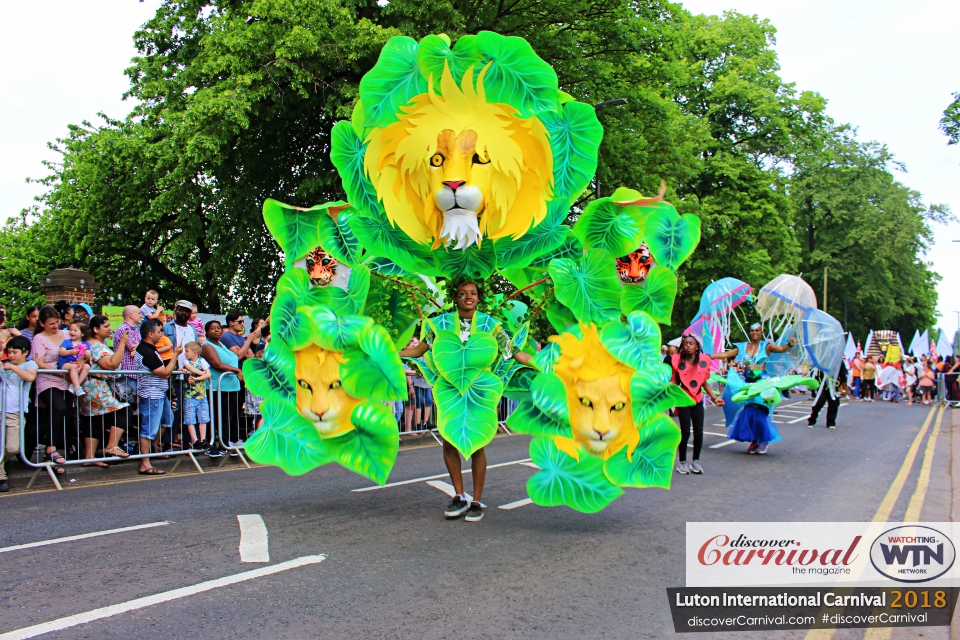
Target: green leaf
[(392, 83), (536, 243), (560, 316), (296, 282), (528, 419), (435, 50), (589, 287), (354, 298), (610, 227), (335, 332), (517, 76), (385, 266), (338, 240), (272, 377), (460, 363), (546, 358), (291, 326), (636, 343), (575, 135), (652, 393), (671, 237), (371, 448), (287, 440), (468, 421), (654, 296), (550, 396), (517, 387), (571, 248), (373, 369), (346, 153), (297, 232), (520, 335), (379, 237), (473, 261), (562, 480), (651, 464)]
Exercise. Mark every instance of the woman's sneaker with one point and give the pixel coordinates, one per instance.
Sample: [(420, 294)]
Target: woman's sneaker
[(762, 449), (682, 468), (752, 448), (695, 467), (457, 507), (475, 512)]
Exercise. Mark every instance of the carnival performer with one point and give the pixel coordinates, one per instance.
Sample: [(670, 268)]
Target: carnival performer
[(751, 423), (691, 369), (827, 396), (467, 297)]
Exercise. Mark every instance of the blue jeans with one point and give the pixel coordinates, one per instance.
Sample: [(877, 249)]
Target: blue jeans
[(151, 414), (196, 411), (856, 386)]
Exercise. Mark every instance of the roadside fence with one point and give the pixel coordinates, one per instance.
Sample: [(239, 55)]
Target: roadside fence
[(948, 389)]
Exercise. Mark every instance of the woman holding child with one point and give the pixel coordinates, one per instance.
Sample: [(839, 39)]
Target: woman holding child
[(102, 410), (55, 406)]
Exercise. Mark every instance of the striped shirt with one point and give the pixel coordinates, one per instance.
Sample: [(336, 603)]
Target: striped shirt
[(149, 385), (127, 363)]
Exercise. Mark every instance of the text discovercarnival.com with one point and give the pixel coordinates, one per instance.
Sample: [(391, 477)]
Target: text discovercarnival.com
[(754, 576)]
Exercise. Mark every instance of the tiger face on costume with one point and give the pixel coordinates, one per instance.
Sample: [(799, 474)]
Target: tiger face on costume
[(633, 268), (322, 267)]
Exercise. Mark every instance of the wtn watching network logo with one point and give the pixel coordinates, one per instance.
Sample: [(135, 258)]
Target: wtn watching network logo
[(912, 553)]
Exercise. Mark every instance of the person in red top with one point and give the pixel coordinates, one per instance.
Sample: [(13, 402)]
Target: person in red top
[(691, 369)]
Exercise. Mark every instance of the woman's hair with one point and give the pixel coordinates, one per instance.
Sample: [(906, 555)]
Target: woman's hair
[(63, 308), (24, 322), (48, 312), (210, 323), (98, 321)]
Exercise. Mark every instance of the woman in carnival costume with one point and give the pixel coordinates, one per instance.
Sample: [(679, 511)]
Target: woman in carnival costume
[(752, 422), (691, 369)]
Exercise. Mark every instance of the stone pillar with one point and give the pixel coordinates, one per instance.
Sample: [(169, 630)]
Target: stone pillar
[(72, 285)]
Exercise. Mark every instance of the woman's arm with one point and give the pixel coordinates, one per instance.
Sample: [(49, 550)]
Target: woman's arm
[(522, 357), (780, 348), (415, 352), (717, 400), (210, 355), (39, 355), (726, 355)]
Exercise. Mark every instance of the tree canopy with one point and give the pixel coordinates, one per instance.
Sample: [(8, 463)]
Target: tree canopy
[(236, 100)]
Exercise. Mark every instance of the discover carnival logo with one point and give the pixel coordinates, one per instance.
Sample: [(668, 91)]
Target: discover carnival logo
[(745, 551), (912, 553)]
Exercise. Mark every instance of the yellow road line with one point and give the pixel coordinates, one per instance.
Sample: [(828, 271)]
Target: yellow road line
[(913, 508), (886, 506)]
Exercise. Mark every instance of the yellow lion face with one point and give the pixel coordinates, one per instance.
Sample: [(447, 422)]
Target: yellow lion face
[(598, 396), (321, 397), (456, 169)]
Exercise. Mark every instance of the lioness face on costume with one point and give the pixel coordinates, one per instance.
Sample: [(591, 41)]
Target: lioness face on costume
[(598, 394), (599, 413), (321, 397), (456, 169)]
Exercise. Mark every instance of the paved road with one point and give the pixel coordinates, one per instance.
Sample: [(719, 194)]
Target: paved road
[(395, 569)]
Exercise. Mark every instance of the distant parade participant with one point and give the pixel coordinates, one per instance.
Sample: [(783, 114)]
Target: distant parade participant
[(752, 422), (826, 395), (691, 369)]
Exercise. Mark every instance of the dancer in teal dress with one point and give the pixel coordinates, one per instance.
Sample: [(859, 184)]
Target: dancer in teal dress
[(750, 421)]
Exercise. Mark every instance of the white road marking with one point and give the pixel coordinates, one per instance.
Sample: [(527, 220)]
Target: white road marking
[(140, 603), (530, 464), (719, 424), (254, 544), (446, 487), (84, 536), (711, 433), (518, 503), (722, 444), (798, 419), (439, 475)]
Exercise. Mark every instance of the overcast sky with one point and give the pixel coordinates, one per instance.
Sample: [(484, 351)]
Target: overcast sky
[(885, 66)]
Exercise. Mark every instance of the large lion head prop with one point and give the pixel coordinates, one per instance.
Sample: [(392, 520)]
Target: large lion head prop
[(456, 168), (463, 158)]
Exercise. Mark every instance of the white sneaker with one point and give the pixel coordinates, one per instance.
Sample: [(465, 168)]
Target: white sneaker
[(695, 467), (79, 392), (72, 390), (682, 468)]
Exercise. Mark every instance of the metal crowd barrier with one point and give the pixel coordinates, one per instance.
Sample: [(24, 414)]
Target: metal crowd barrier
[(948, 389), (79, 438), (234, 416)]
